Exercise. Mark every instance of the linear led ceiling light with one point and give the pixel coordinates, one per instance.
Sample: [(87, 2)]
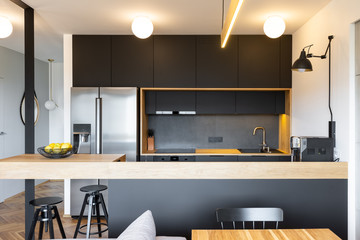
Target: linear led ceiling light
[(231, 15)]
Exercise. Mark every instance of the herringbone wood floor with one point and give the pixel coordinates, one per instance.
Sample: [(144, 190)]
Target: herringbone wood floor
[(12, 214)]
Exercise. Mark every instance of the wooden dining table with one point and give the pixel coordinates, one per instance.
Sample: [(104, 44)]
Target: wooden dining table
[(262, 234)]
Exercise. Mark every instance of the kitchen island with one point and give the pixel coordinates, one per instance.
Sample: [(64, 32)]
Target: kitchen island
[(184, 195), (109, 166)]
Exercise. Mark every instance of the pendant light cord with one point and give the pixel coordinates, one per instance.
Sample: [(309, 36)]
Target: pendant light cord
[(222, 15), (50, 78)]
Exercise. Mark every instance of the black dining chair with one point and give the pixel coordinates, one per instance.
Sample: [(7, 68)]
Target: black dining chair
[(249, 215)]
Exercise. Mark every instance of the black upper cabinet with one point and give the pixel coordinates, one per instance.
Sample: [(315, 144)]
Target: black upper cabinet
[(150, 102), (216, 102), (132, 61), (259, 58), (174, 61), (248, 61), (175, 101), (285, 61), (280, 102), (260, 102), (211, 102), (216, 67), (91, 61)]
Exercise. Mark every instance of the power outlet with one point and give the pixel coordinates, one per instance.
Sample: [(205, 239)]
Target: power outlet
[(215, 139)]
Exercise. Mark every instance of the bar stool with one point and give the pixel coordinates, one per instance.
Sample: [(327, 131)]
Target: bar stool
[(44, 215), (93, 198)]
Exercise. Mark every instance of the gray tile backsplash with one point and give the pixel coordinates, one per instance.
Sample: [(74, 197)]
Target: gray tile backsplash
[(179, 131)]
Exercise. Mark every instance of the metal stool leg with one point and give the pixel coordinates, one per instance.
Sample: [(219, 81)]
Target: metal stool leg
[(81, 215), (104, 208), (51, 225), (91, 199), (33, 224), (97, 203), (41, 229), (44, 214), (57, 216)]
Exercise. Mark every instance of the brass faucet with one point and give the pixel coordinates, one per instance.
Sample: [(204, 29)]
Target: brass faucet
[(264, 147)]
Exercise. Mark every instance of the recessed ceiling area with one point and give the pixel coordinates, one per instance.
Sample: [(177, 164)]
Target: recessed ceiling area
[(57, 17)]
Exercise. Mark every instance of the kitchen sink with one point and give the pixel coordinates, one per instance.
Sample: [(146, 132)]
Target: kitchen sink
[(258, 151)]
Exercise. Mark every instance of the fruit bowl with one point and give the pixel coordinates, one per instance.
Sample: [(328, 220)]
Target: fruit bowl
[(53, 155)]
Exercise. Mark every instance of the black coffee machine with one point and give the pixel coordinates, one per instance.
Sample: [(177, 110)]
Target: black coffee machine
[(312, 149)]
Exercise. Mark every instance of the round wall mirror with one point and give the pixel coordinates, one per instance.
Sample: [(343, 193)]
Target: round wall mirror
[(36, 109)]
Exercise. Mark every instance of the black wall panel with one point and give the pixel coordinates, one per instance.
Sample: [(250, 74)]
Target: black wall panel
[(181, 205)]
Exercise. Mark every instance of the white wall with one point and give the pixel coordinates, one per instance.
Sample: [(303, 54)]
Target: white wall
[(56, 116), (310, 114), (12, 73), (67, 40), (357, 126)]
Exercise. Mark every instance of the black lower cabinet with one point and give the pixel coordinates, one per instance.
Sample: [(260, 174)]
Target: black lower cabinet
[(178, 206), (264, 158), (174, 158), (214, 158), (145, 158)]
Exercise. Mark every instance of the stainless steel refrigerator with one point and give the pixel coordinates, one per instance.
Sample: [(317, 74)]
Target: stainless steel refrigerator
[(103, 120)]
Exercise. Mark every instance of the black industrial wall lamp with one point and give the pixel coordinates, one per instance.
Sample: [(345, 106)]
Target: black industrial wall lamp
[(303, 64)]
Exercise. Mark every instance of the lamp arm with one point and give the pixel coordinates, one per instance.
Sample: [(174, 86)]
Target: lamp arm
[(310, 55)]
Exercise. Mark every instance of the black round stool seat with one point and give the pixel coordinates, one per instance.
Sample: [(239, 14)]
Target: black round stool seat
[(45, 201), (93, 188), (45, 212)]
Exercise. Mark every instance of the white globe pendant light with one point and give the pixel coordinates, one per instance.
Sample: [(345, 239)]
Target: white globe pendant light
[(274, 27), (6, 27), (50, 104), (142, 27)]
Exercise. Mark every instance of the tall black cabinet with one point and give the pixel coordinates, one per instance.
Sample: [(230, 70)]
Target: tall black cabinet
[(132, 61), (174, 61), (216, 67), (91, 61)]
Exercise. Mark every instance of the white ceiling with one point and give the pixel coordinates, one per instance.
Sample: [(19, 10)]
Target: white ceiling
[(53, 18)]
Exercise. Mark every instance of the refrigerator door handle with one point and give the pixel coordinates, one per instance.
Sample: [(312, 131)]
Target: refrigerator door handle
[(98, 125)]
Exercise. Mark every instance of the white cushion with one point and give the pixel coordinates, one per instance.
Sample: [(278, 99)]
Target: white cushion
[(143, 228)]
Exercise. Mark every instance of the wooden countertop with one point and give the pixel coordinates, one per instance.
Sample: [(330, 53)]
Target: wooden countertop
[(29, 158), (215, 152), (261, 234), (105, 167)]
